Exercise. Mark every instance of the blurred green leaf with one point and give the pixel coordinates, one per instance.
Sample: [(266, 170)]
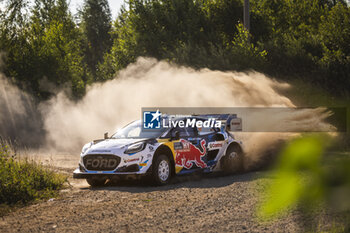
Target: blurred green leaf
[(297, 176)]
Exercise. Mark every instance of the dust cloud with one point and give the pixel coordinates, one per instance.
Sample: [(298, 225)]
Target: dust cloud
[(149, 83), (20, 121), (107, 106)]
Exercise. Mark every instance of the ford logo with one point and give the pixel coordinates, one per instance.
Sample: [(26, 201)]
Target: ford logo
[(101, 163)]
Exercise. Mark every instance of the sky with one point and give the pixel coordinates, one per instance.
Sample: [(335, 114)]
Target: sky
[(113, 4)]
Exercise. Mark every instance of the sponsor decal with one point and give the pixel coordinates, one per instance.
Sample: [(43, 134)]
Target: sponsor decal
[(131, 160), (213, 145), (184, 147), (178, 146), (143, 164), (151, 120), (194, 139), (190, 155), (151, 148)]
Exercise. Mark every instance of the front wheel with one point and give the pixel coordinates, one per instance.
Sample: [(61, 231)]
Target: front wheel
[(161, 170), (96, 182), (232, 162)]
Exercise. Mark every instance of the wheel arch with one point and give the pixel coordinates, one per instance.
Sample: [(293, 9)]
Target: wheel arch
[(163, 149), (239, 164), (235, 144)]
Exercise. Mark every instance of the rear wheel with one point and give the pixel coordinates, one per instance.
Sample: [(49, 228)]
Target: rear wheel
[(161, 170), (232, 162), (96, 182)]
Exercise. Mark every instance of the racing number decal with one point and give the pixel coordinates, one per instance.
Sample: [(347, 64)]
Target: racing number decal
[(187, 154)]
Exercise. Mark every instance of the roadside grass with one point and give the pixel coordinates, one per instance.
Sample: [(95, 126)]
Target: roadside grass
[(23, 181)]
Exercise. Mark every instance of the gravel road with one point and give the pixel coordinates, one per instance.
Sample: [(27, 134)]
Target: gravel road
[(213, 203)]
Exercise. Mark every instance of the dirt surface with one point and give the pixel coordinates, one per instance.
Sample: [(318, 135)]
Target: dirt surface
[(213, 203)]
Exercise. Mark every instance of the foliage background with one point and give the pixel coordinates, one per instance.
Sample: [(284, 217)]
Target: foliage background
[(289, 39)]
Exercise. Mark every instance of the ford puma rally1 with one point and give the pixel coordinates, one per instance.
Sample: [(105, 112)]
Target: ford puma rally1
[(173, 149)]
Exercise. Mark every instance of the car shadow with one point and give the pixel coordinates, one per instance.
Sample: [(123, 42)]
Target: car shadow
[(211, 180)]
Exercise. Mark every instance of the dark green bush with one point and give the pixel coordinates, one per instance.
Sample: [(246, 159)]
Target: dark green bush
[(22, 181)]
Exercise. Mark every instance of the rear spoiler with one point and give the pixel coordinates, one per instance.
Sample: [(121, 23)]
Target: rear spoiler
[(230, 121)]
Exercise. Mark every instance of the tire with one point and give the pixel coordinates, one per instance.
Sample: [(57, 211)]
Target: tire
[(96, 182), (232, 162), (161, 170)]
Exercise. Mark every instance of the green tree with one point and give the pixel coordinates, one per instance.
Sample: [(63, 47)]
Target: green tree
[(47, 46), (57, 47), (123, 50), (192, 33), (13, 42), (96, 25), (335, 61)]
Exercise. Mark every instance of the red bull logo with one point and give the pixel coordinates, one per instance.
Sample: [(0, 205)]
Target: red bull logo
[(190, 154)]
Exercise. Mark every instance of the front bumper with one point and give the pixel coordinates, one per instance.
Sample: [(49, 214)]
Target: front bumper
[(77, 174)]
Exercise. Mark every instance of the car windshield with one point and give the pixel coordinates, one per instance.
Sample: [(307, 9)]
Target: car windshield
[(134, 130)]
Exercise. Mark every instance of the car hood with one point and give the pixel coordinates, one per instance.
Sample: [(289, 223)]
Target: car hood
[(110, 144)]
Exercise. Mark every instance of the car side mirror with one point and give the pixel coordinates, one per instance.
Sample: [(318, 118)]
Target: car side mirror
[(106, 136), (176, 135)]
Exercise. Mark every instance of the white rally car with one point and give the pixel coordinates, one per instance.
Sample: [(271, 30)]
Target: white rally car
[(163, 153)]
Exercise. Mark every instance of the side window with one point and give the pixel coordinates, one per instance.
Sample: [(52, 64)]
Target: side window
[(191, 132), (184, 132), (204, 130)]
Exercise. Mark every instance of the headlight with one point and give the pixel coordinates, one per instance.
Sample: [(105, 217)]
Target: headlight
[(134, 148), (85, 148)]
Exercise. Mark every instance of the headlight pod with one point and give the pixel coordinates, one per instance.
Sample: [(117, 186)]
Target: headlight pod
[(85, 148), (134, 148)]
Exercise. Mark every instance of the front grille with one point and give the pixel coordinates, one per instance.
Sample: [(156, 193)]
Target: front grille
[(131, 168), (101, 162)]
